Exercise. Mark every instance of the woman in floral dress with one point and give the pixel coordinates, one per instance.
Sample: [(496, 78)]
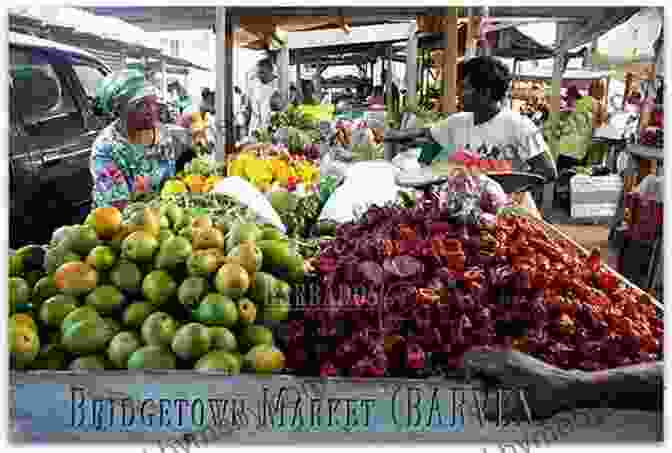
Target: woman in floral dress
[(134, 154)]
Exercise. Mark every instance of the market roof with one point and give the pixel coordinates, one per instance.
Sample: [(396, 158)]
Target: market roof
[(511, 43), (259, 21), (24, 40), (569, 74), (26, 21)]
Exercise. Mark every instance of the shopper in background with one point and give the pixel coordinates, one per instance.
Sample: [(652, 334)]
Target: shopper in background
[(183, 101), (293, 94), (136, 153), (308, 93), (263, 96), (241, 112)]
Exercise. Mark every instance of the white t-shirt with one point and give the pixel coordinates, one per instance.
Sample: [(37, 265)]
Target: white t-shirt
[(260, 95), (507, 136)]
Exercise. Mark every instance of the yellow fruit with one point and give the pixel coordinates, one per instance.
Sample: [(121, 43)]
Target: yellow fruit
[(24, 345), (232, 280), (196, 183), (107, 222), (173, 186), (22, 319)]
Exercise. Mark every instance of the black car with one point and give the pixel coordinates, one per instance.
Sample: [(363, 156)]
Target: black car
[(52, 127)]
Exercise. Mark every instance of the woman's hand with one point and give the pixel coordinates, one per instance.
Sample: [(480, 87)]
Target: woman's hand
[(547, 389)]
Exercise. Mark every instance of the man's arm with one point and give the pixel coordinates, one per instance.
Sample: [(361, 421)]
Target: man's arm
[(637, 387), (408, 135), (532, 144), (551, 389), (543, 165)]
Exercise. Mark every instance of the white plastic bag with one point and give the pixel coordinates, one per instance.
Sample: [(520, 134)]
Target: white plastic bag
[(408, 160), (374, 172), (330, 166), (366, 184), (247, 194)]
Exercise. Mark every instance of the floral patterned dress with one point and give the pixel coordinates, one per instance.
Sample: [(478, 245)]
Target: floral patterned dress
[(120, 168)]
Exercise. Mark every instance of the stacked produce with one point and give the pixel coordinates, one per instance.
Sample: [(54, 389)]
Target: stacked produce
[(402, 285), (284, 171), (424, 117), (570, 132), (164, 289), (200, 175)]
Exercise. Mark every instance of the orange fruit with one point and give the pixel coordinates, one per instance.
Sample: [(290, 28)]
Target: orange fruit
[(107, 222), (76, 278)]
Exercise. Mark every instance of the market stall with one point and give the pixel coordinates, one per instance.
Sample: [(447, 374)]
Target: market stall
[(234, 268)]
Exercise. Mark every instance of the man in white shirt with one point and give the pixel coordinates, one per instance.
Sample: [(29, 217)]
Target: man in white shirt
[(486, 127), (263, 95)]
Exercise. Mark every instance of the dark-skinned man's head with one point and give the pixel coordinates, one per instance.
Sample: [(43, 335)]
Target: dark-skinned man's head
[(486, 82)]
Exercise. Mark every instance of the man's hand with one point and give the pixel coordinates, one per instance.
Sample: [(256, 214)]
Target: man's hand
[(547, 389), (408, 136)]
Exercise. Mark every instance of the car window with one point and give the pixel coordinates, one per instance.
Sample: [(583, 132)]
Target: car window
[(89, 76), (38, 89)]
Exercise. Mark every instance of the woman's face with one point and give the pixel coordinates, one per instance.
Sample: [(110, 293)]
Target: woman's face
[(142, 118), (143, 114)]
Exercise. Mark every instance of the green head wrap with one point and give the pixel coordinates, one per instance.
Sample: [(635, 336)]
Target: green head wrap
[(120, 89)]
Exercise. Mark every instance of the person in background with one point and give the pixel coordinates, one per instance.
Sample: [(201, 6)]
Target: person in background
[(135, 153), (201, 123), (293, 94), (573, 95), (263, 96), (182, 100), (241, 112), (486, 127), (394, 90), (308, 92)]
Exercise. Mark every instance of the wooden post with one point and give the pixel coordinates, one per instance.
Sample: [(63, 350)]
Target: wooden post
[(164, 78), (224, 30), (412, 66), (483, 12), (299, 89), (449, 100), (558, 70), (389, 99), (283, 72), (473, 33)]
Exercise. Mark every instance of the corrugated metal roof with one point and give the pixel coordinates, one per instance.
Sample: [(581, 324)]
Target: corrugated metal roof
[(32, 41), (358, 35)]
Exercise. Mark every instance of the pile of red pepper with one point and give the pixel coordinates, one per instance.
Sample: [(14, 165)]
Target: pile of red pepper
[(568, 279)]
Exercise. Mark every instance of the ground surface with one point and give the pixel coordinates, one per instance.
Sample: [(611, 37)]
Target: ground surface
[(589, 236)]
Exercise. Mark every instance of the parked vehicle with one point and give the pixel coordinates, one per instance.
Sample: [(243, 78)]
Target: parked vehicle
[(52, 128)]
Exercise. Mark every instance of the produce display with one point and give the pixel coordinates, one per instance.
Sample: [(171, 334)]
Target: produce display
[(282, 171), (424, 117), (200, 175), (154, 288), (570, 133), (450, 285)]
